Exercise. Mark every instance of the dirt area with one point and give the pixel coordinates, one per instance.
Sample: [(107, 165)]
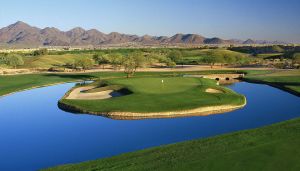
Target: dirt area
[(178, 68), (4, 71)]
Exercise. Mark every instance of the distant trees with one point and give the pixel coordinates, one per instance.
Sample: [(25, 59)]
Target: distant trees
[(12, 60), (212, 58), (84, 63), (254, 50), (176, 56), (2, 59), (217, 57), (170, 63), (15, 60), (132, 62), (296, 60), (40, 52), (115, 59), (101, 59), (230, 59)]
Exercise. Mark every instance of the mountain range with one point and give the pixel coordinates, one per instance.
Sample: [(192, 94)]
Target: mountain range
[(22, 34)]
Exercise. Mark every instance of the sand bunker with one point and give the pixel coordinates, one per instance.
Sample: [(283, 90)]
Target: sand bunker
[(211, 90), (78, 93)]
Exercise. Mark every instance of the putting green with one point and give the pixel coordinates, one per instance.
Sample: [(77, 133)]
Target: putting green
[(159, 94)]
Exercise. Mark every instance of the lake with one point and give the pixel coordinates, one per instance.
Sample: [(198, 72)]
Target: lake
[(35, 133)]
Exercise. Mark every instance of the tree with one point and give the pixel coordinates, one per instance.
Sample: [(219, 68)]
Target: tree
[(40, 52), (115, 59), (170, 63), (2, 59), (140, 60), (84, 63), (152, 58), (212, 57), (218, 57), (241, 59), (296, 59), (209, 60), (101, 59), (229, 59), (129, 65), (14, 60), (132, 62), (176, 56)]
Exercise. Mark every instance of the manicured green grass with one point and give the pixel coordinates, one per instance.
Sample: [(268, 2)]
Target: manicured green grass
[(13, 83), (269, 55), (274, 147), (288, 80), (149, 94)]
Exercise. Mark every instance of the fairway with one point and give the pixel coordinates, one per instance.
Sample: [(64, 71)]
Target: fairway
[(286, 80), (159, 94)]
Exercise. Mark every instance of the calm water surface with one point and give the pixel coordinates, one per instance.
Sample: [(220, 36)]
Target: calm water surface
[(35, 134)]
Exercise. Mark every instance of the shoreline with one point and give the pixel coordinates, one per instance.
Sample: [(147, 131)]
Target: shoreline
[(278, 86), (41, 86), (201, 111)]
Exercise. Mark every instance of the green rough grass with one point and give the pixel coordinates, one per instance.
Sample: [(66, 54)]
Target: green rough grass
[(288, 80), (269, 55), (274, 147), (149, 94)]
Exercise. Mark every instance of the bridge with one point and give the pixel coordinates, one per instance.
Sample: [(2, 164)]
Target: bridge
[(222, 78)]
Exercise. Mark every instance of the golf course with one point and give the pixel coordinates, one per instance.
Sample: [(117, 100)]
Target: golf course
[(158, 96), (149, 95), (159, 85)]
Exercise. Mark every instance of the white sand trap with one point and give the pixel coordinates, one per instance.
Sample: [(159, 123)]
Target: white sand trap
[(211, 90), (78, 94)]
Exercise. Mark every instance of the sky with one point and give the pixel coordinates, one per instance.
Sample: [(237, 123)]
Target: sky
[(240, 19)]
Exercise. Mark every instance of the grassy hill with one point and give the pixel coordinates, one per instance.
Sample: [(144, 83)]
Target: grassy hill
[(48, 61), (196, 55)]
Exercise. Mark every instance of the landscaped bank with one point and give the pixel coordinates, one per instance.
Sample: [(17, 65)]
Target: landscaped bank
[(285, 80), (274, 147), (148, 97)]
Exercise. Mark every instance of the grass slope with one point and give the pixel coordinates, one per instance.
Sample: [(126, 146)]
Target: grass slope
[(288, 80), (151, 95), (274, 147), (195, 56), (49, 61)]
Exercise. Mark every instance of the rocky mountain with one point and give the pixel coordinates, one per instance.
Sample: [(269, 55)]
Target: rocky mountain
[(249, 41), (25, 35)]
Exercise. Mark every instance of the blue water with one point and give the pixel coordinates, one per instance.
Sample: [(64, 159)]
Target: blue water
[(35, 134)]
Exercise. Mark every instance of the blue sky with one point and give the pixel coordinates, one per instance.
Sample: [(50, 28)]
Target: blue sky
[(242, 19)]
